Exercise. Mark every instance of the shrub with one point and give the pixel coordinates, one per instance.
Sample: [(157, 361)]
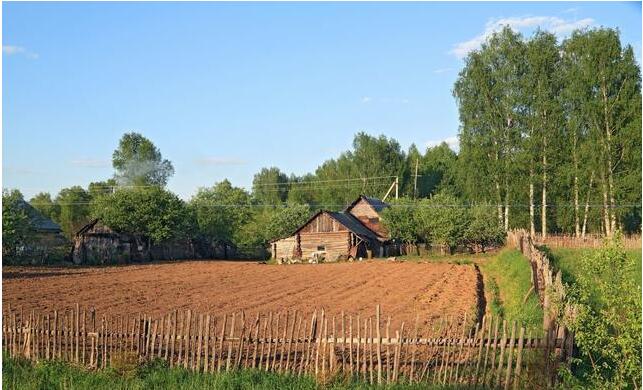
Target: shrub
[(607, 320)]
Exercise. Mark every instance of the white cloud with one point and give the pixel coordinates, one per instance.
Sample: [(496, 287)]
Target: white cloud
[(554, 24), (442, 70), (366, 99), (12, 50), (453, 142), (90, 163), (220, 161)]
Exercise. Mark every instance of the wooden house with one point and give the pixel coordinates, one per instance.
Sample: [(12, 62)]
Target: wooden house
[(48, 242), (354, 232)]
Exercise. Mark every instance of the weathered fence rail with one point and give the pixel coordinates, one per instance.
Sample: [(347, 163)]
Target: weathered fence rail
[(454, 351), (589, 241)]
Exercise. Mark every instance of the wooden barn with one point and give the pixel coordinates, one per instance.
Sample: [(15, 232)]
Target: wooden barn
[(96, 243), (354, 232)]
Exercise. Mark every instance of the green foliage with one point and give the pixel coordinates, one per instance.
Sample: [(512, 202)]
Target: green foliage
[(221, 210), (47, 207), (270, 186), (138, 162), (442, 220), (555, 124), (607, 322), (286, 220), (150, 211), (16, 229), (483, 230), (438, 170), (100, 188), (400, 220), (74, 206)]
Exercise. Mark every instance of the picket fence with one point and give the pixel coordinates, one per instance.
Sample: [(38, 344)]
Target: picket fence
[(491, 353)]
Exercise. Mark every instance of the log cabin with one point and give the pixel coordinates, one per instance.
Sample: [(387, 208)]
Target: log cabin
[(352, 233)]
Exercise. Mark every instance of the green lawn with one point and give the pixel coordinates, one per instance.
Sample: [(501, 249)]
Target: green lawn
[(507, 280), (567, 260), (23, 375)]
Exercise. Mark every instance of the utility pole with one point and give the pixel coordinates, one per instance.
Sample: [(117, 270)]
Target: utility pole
[(415, 182)]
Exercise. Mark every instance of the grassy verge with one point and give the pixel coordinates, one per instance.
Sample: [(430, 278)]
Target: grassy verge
[(507, 279), (24, 375), (568, 261)]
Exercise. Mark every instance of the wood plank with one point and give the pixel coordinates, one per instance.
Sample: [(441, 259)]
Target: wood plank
[(290, 341), (510, 355), (173, 326), (516, 378), (503, 343)]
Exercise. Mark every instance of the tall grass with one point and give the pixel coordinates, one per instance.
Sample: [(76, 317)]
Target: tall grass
[(22, 374), (507, 278)]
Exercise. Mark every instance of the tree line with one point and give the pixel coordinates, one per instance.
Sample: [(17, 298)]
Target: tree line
[(550, 140)]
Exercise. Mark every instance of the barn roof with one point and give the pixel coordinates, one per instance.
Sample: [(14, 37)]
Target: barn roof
[(354, 225), (375, 203), (87, 227), (348, 220), (37, 220)]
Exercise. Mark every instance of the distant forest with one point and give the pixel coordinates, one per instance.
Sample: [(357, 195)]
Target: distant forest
[(550, 141)]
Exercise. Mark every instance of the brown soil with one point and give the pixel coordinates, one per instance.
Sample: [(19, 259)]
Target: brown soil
[(404, 290)]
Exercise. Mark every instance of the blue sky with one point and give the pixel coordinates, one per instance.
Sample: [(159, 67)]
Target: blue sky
[(224, 89)]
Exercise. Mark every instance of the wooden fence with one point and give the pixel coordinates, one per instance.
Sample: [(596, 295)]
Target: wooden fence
[(589, 241), (453, 351)]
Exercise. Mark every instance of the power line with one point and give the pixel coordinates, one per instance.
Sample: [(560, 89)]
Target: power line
[(625, 205)]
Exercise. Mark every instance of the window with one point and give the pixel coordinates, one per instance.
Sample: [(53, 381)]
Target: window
[(321, 247)]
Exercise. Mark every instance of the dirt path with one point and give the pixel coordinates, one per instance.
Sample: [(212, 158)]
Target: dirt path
[(404, 290)]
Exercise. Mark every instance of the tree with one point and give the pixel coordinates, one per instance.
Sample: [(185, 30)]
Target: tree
[(74, 206), (482, 230), (152, 212), (438, 170), (16, 228), (138, 162), (286, 220), (270, 186), (367, 169), (100, 188), (605, 83), (47, 207), (400, 220), (442, 220), (221, 210), (488, 94), (542, 110)]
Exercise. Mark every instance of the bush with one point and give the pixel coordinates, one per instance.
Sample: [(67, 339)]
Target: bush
[(607, 320)]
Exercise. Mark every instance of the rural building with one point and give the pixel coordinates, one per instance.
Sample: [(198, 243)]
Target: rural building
[(48, 239), (354, 232), (96, 243)]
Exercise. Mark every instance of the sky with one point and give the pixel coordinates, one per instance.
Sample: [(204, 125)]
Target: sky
[(224, 89)]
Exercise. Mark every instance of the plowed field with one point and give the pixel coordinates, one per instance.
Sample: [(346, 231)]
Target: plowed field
[(404, 290)]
